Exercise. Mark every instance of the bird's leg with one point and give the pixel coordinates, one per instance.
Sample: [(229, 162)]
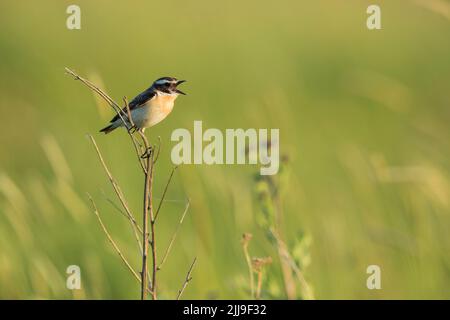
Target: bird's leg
[(132, 129), (149, 149), (147, 153)]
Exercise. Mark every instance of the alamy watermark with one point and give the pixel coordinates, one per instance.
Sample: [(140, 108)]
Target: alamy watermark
[(235, 146), (73, 21), (73, 281), (373, 21), (374, 278)]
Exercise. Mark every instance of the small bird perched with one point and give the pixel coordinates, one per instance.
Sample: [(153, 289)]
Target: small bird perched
[(151, 106)]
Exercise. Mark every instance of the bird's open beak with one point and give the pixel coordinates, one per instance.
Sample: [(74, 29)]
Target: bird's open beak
[(178, 83)]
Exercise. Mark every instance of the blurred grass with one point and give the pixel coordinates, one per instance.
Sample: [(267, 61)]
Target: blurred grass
[(363, 115)]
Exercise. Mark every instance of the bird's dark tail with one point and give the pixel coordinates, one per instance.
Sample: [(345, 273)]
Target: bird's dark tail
[(108, 129)]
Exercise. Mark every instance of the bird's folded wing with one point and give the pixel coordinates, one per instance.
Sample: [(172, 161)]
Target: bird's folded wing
[(138, 101)]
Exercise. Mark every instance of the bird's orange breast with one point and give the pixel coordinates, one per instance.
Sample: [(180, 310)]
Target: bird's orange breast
[(163, 103)]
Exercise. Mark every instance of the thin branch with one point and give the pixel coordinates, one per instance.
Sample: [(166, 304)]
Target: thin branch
[(145, 228), (116, 188), (245, 242), (115, 206), (100, 92), (291, 262), (152, 227), (148, 211), (135, 230), (165, 191), (113, 105), (172, 240), (111, 240), (187, 279), (159, 149), (94, 207), (289, 283), (127, 106), (135, 142), (259, 264), (259, 286)]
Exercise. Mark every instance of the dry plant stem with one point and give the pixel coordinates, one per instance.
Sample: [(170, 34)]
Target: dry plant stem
[(114, 205), (187, 279), (113, 105), (113, 243), (259, 286), (145, 229), (172, 240), (148, 212), (121, 115), (159, 150), (285, 255), (94, 207), (118, 192), (127, 106), (100, 92), (307, 290), (145, 235), (289, 284), (165, 191), (250, 270), (135, 143), (152, 227), (125, 215)]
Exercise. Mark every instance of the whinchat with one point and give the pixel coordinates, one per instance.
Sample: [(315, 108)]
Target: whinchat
[(151, 106)]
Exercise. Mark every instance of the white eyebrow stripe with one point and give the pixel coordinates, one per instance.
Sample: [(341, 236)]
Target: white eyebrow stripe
[(163, 81)]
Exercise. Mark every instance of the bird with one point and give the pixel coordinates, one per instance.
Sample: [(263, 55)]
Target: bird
[(149, 107)]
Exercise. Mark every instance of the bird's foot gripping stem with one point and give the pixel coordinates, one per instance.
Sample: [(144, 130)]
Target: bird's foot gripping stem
[(147, 153), (132, 129)]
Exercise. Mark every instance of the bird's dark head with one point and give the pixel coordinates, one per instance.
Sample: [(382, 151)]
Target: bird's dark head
[(168, 85)]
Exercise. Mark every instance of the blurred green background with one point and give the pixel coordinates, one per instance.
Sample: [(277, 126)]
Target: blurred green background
[(363, 116)]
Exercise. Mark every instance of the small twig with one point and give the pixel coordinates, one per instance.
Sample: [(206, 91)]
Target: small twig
[(172, 240), (94, 207), (289, 283), (121, 114), (131, 221), (127, 106), (114, 205), (116, 187), (258, 265), (100, 92), (152, 225), (165, 191), (245, 242), (145, 228), (148, 211), (159, 149), (135, 143), (259, 286), (111, 240), (187, 279), (290, 261)]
